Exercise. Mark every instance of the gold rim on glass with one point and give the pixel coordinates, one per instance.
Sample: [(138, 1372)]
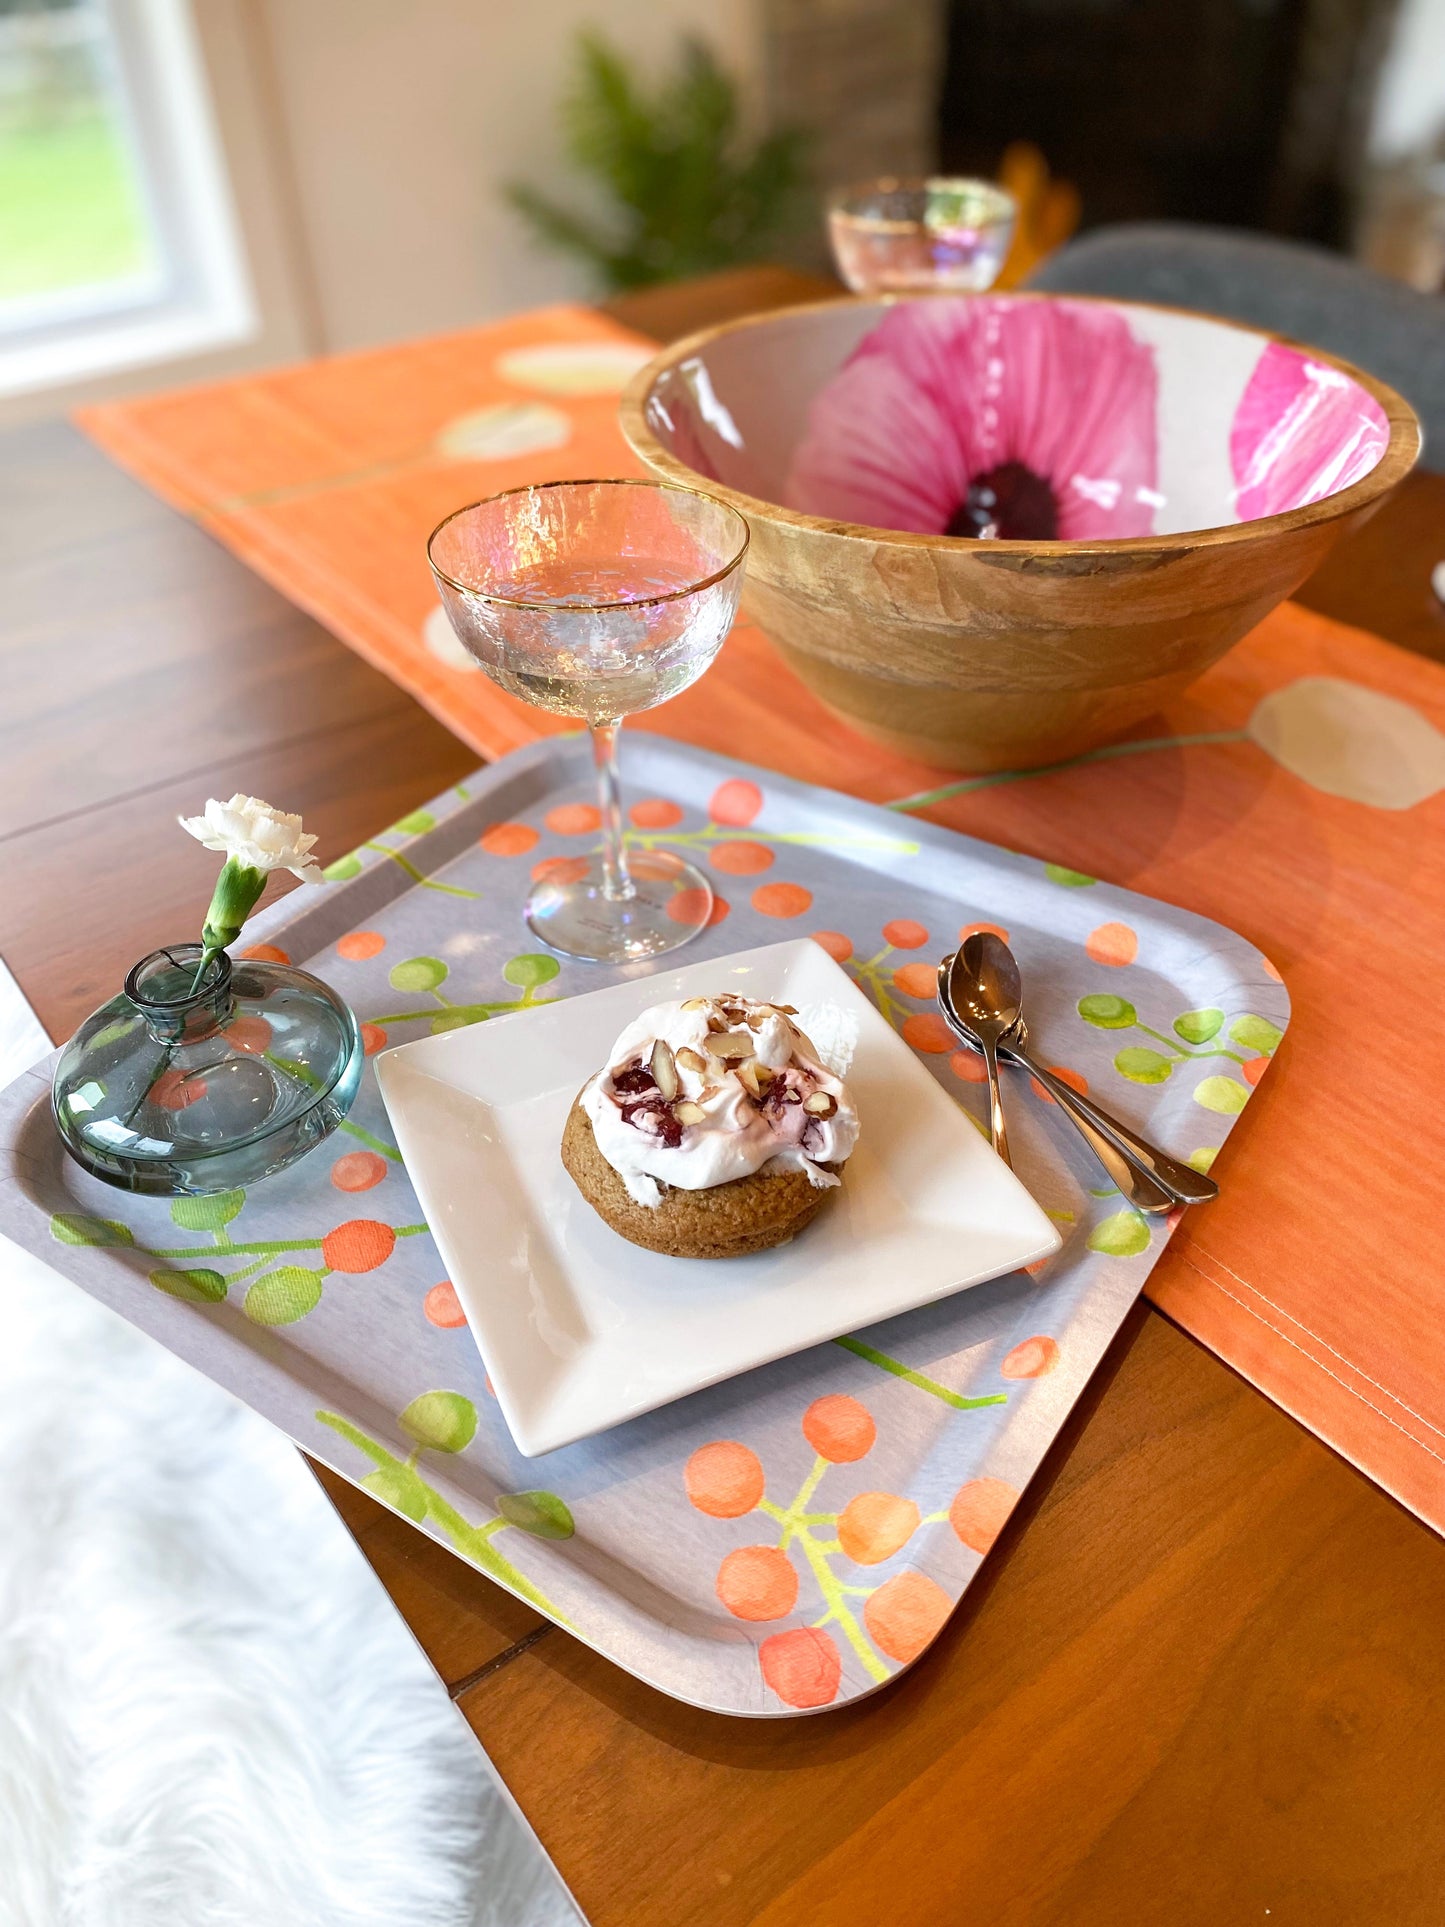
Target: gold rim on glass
[(594, 481)]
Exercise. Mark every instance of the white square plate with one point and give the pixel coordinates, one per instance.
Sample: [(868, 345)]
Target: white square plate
[(580, 1329)]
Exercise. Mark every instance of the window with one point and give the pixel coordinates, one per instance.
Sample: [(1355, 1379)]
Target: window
[(118, 240)]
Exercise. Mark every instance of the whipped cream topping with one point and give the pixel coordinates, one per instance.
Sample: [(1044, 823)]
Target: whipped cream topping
[(715, 1088)]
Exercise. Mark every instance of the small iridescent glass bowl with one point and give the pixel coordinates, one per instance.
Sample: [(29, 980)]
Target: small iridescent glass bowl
[(893, 236)]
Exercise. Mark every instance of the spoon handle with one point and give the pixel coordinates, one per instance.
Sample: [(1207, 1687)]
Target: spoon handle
[(995, 1104), (1134, 1182), (1180, 1181)]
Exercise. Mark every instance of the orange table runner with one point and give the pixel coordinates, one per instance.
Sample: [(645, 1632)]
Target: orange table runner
[(1296, 793)]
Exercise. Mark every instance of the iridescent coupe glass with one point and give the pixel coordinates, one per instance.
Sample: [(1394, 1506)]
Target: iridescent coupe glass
[(595, 600), (940, 234)]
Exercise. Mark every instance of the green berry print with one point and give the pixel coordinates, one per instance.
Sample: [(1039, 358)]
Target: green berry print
[(75, 1228), (450, 1020), (343, 869), (1257, 1034), (207, 1214), (1198, 1026), (1070, 879), (1107, 1012), (542, 1514), (1202, 1159), (399, 1487), (1223, 1094), (1142, 1066), (1124, 1235), (283, 1296), (195, 1287), (530, 970), (440, 1421), (417, 823), (419, 974)]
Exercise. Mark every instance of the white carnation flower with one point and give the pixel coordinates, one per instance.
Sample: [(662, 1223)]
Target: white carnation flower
[(253, 834)]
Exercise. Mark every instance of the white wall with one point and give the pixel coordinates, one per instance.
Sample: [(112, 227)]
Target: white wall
[(402, 119), (1410, 104)]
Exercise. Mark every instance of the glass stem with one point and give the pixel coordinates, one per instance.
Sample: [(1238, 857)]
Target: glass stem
[(617, 885)]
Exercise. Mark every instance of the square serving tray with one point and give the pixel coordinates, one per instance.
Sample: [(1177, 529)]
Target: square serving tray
[(788, 1540)]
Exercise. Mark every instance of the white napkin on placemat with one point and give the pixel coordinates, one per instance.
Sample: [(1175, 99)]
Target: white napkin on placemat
[(23, 1040)]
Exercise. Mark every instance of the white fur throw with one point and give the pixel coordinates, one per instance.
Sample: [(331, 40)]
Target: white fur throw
[(210, 1713)]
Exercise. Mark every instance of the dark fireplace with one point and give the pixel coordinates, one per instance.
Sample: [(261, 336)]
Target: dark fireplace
[(1248, 113)]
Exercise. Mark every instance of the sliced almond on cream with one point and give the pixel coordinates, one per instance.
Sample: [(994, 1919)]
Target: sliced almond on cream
[(689, 1113), (664, 1070), (730, 1043), (691, 1060), (748, 1077), (820, 1104), (708, 1093), (697, 1003)]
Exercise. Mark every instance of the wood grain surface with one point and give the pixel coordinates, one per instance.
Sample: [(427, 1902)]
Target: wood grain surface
[(1198, 1679)]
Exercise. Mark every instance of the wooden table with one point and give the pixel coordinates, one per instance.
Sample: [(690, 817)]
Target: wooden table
[(1197, 1682)]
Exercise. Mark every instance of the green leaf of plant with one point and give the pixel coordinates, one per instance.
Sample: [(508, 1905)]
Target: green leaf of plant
[(399, 1487), (284, 1295), (1142, 1066), (415, 824), (1223, 1094), (207, 1214), (530, 969), (75, 1228), (1124, 1235), (1256, 1033), (1108, 1012), (1070, 879), (542, 1514), (1201, 1159), (196, 1287), (440, 1421), (451, 1020), (418, 974), (343, 869), (1198, 1026)]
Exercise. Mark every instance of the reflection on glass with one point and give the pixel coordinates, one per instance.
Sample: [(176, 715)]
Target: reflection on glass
[(911, 236)]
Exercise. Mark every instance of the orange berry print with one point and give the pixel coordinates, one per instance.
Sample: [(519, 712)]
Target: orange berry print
[(782, 900), (758, 1582), (508, 839), (741, 859), (250, 1034), (972, 930), (560, 869), (357, 945), (1075, 1080), (872, 1527), (444, 1308), (917, 980), (735, 803), (1034, 1358), (1253, 1069), (905, 1614), (361, 1244), (925, 1030), (265, 953), (838, 947), (724, 1479), (173, 1090), (1112, 943), (688, 906), (969, 1065), (358, 1171), (904, 934), (655, 813), (1271, 970), (803, 1666), (839, 1429), (573, 819), (979, 1510), (373, 1039)]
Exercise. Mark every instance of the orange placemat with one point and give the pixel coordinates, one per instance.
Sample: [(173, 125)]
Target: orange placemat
[(1297, 793)]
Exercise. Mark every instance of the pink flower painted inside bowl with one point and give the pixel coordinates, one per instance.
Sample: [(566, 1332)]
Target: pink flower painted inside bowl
[(1302, 431), (1032, 421)]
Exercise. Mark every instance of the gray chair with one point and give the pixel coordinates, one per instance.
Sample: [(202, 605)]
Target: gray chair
[(1389, 330)]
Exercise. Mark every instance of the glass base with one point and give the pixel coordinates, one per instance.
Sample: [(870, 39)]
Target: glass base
[(571, 912)]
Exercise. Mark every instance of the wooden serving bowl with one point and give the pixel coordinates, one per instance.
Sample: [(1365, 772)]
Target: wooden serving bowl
[(1149, 483)]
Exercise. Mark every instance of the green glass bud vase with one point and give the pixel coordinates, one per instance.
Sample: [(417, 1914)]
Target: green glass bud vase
[(181, 1085)]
